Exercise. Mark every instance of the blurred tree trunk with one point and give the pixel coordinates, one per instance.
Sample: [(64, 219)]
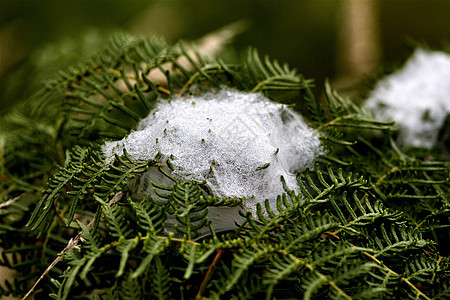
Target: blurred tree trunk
[(358, 41)]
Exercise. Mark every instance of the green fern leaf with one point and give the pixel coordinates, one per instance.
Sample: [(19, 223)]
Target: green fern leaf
[(160, 281)]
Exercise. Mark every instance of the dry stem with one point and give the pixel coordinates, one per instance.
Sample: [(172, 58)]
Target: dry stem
[(72, 243)]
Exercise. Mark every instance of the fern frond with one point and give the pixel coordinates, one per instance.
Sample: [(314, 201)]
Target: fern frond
[(70, 276), (115, 217), (193, 253), (150, 215), (85, 177), (57, 185), (283, 266), (270, 76), (397, 239), (160, 287), (243, 261), (152, 247), (130, 289), (346, 113), (124, 247), (190, 209)]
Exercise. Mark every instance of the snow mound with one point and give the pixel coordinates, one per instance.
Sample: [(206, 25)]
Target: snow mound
[(238, 143), (417, 97)]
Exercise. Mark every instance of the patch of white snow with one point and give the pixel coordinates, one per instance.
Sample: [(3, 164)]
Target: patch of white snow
[(235, 133), (417, 98)]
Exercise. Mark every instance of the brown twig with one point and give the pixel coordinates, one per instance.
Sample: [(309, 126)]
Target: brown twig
[(72, 244), (10, 201), (215, 261)]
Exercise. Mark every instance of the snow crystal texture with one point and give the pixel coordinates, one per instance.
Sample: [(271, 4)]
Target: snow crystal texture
[(235, 133), (417, 97)]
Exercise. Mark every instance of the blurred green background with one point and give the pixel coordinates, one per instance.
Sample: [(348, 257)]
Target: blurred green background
[(341, 40)]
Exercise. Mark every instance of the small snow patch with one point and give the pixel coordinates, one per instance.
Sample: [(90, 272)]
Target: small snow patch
[(239, 143), (417, 97)]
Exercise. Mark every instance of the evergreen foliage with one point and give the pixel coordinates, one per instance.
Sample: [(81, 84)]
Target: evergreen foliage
[(371, 221)]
